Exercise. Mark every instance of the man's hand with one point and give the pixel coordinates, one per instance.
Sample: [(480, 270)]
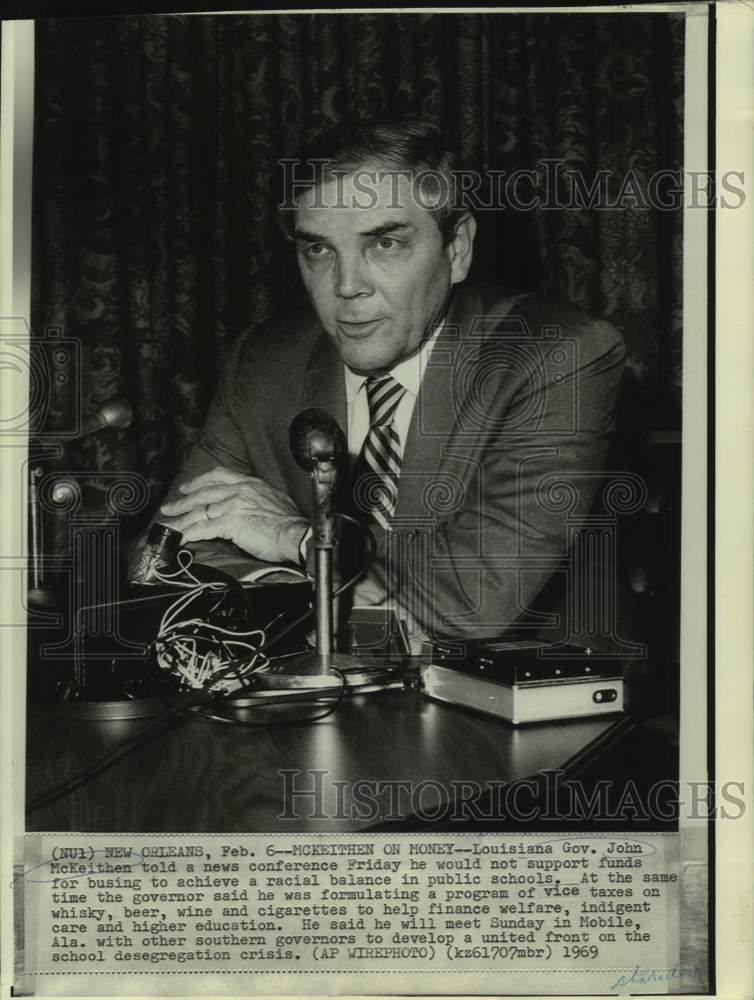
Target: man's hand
[(223, 504)]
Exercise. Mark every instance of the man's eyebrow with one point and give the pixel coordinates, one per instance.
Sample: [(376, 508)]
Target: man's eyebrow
[(385, 228), (304, 234)]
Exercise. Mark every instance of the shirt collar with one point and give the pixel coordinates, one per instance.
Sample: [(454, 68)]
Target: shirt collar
[(408, 373)]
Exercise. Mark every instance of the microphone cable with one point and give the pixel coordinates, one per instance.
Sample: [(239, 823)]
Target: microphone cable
[(181, 709)]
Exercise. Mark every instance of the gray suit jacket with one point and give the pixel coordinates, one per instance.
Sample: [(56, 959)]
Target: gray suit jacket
[(503, 459)]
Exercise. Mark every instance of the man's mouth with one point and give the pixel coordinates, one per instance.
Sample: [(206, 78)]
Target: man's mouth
[(357, 330)]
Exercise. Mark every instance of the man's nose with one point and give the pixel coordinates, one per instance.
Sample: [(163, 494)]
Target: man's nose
[(352, 277)]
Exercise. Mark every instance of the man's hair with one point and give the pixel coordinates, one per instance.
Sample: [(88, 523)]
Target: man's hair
[(401, 145)]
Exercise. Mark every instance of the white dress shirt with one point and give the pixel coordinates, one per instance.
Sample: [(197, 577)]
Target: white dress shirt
[(409, 374)]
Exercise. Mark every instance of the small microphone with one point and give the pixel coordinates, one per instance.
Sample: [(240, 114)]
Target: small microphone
[(116, 413), (315, 436)]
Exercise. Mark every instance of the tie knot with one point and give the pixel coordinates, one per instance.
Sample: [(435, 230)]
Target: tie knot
[(384, 394)]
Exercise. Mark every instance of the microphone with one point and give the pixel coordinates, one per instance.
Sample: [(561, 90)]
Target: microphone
[(317, 443), (315, 436), (116, 413)]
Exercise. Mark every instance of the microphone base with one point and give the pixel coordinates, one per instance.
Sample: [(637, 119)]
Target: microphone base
[(77, 701), (317, 676)]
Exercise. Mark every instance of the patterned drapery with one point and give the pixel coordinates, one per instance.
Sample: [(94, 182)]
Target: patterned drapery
[(156, 142)]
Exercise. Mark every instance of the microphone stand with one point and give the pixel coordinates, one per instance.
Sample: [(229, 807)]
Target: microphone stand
[(324, 671), (312, 671), (318, 445), (323, 532), (43, 594), (35, 516)]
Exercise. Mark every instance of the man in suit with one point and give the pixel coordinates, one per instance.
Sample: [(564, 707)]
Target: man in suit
[(477, 425)]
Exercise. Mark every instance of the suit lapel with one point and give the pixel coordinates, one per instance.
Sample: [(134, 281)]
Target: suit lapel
[(437, 407)]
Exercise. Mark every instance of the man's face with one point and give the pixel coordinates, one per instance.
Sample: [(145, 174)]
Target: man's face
[(375, 267)]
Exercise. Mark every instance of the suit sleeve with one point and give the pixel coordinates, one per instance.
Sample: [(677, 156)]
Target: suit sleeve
[(220, 442), (530, 468)]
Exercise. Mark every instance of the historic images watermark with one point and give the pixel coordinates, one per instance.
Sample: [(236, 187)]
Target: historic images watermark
[(315, 795), (551, 185)]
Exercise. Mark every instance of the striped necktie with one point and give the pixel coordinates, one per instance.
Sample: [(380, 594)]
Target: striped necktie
[(378, 466)]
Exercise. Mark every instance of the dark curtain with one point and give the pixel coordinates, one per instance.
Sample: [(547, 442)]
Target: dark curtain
[(155, 179)]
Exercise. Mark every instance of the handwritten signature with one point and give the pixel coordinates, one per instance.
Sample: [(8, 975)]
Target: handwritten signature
[(642, 977)]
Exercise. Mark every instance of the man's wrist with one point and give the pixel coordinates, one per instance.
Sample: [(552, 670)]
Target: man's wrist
[(291, 534), (304, 548)]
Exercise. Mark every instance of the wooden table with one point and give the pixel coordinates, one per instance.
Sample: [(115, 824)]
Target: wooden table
[(199, 776)]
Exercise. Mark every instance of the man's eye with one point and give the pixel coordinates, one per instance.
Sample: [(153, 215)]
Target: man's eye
[(315, 250), (387, 243)]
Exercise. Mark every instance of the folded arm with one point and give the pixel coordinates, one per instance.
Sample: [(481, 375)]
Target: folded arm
[(242, 509), (217, 502)]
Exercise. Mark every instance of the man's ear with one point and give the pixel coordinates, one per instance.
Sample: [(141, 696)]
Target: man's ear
[(461, 248)]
